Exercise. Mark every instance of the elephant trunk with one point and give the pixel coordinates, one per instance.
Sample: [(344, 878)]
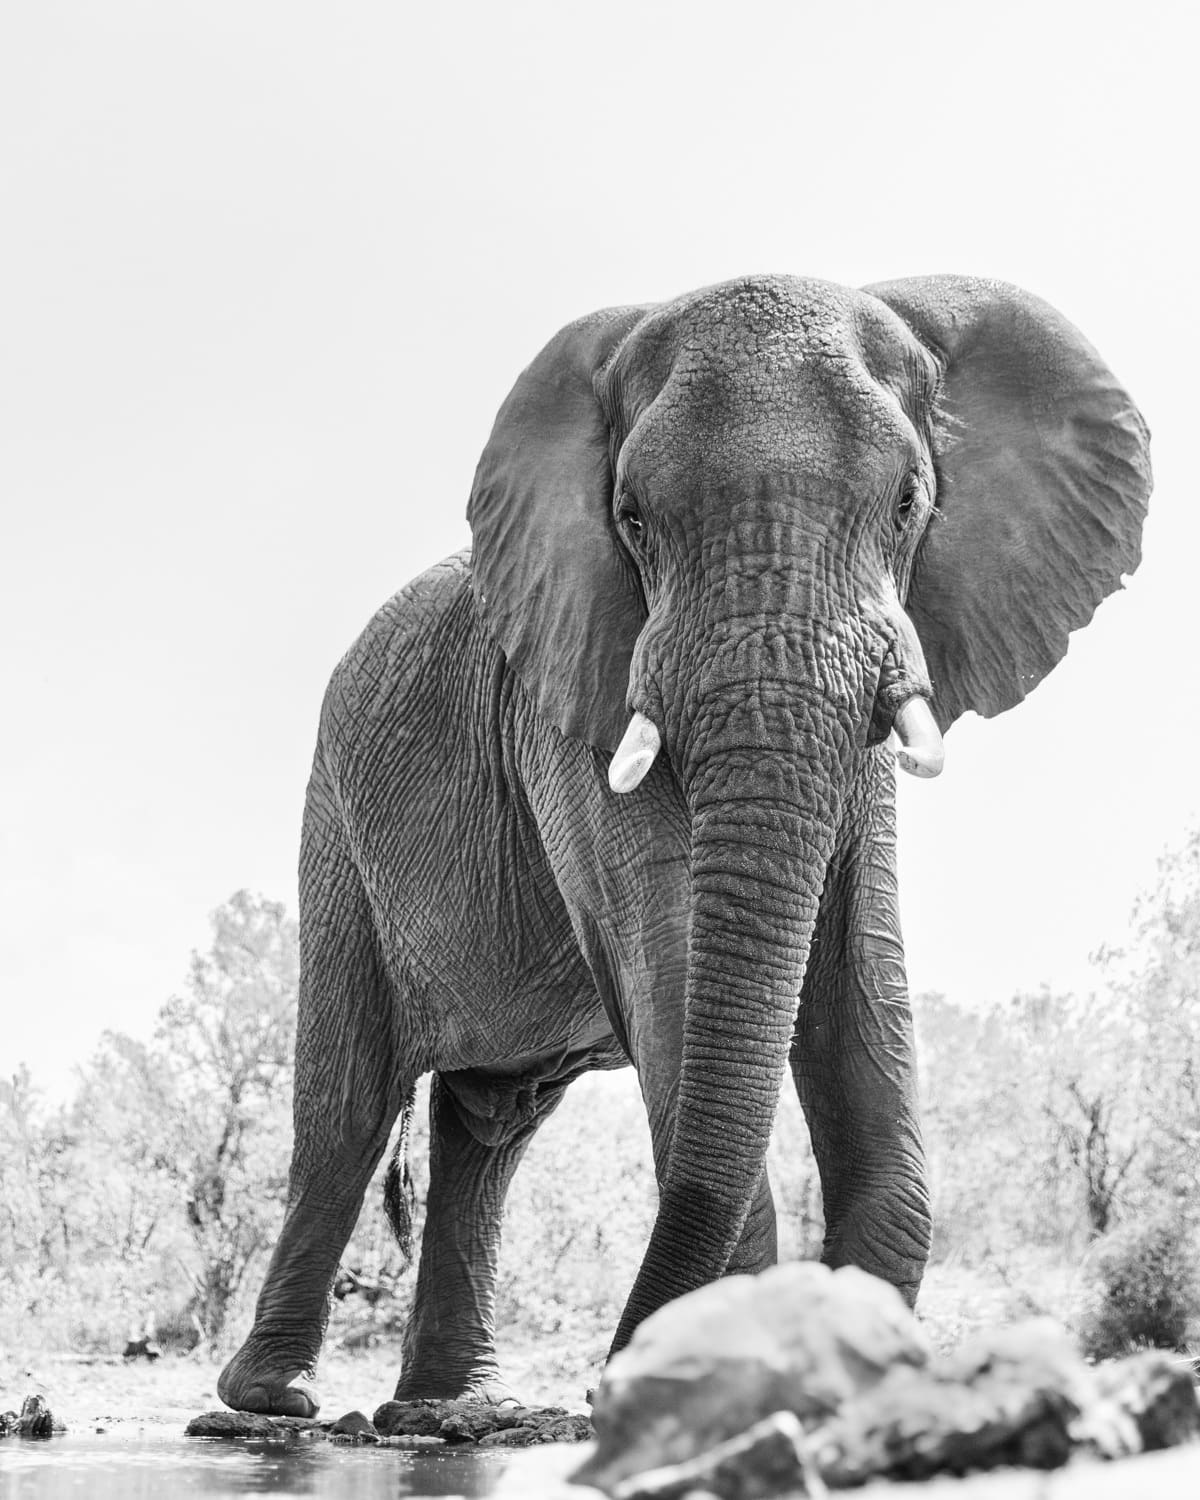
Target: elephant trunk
[(902, 704), (764, 818)]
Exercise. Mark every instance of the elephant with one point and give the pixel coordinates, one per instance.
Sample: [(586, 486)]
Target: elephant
[(617, 785)]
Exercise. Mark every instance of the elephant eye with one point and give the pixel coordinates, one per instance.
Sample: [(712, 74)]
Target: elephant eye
[(906, 500), (629, 517)]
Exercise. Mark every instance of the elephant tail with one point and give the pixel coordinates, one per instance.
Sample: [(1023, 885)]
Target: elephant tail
[(399, 1198)]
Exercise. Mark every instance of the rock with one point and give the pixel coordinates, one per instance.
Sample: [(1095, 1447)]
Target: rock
[(915, 1425), (410, 1418), (540, 1424), (767, 1459), (36, 1420), (797, 1338), (142, 1349), (1036, 1352), (1104, 1430), (1011, 1396), (1016, 1396), (570, 1427), (510, 1437), (413, 1442), (1155, 1391), (355, 1425), (233, 1424), (470, 1423), (478, 1422)]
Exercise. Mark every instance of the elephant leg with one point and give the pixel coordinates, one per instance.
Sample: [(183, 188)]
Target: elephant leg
[(852, 1057), (449, 1344), (347, 1095), (758, 1247)]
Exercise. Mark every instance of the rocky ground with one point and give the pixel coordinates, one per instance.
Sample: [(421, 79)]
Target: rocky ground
[(91, 1391), (414, 1425)]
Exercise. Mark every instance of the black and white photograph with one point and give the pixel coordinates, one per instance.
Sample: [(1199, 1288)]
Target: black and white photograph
[(601, 837)]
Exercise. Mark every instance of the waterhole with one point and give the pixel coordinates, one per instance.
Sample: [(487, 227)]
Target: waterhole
[(149, 1464)]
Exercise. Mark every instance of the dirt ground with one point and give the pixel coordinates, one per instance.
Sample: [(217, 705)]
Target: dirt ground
[(106, 1391)]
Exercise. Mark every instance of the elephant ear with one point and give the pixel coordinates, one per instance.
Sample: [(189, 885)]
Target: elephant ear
[(1043, 472), (555, 586)]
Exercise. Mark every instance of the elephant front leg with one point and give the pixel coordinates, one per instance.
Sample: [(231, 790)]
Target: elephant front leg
[(450, 1339), (853, 1059), (274, 1370), (348, 1090)]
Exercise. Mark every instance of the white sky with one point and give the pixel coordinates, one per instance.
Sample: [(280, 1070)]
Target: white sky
[(266, 272)]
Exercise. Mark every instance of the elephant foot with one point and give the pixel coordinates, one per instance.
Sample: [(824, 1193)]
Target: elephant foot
[(488, 1390), (252, 1383)]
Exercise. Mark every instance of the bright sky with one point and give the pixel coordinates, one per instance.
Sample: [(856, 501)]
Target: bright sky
[(267, 270)]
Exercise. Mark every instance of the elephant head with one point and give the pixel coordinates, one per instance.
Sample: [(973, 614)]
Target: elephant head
[(752, 530)]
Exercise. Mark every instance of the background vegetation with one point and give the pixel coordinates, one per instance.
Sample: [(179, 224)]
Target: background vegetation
[(1063, 1133)]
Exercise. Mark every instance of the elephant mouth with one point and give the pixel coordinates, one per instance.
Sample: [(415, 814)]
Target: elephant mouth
[(919, 748)]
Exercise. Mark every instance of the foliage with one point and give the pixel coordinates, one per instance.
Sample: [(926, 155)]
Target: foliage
[(1057, 1121), (224, 1054), (1156, 982), (1147, 1288), (156, 1192), (35, 1243), (579, 1215)]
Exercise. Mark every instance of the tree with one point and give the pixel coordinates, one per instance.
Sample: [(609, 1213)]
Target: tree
[(35, 1242), (1084, 1072), (1156, 982), (190, 1133), (225, 1047)]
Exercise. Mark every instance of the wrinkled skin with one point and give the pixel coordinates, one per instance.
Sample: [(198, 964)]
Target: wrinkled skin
[(707, 512)]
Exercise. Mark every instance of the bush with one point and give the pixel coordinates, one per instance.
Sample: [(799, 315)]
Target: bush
[(1147, 1287), (175, 1331)]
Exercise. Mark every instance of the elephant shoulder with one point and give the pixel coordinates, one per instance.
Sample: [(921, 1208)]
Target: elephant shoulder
[(409, 660), (423, 605)]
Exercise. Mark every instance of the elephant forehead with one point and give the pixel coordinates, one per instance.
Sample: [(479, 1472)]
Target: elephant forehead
[(811, 420), (766, 374), (752, 309), (760, 324)]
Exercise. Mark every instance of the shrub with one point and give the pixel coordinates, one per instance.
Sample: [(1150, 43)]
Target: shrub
[(1147, 1287)]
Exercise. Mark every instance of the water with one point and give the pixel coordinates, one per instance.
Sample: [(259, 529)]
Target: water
[(148, 1463)]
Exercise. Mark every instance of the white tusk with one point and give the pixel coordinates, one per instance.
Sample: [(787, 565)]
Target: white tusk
[(635, 754), (921, 750)]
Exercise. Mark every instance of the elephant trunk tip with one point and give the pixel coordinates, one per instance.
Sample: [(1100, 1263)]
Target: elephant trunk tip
[(921, 751), (635, 754)]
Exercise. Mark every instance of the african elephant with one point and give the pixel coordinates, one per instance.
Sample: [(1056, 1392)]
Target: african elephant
[(614, 786)]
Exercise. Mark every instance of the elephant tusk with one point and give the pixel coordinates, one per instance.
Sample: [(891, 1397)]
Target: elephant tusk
[(921, 751), (635, 754)]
